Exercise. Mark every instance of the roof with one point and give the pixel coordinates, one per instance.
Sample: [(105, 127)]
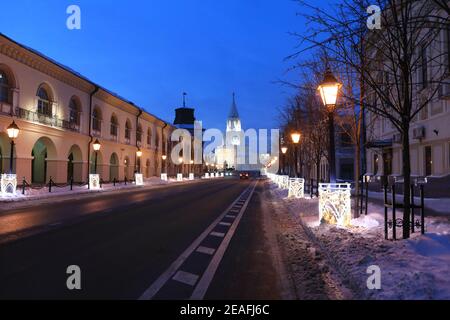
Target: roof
[(234, 114), (79, 75)]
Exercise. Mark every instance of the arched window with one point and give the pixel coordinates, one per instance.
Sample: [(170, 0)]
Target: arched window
[(97, 120), (44, 102), (74, 111), (157, 141), (114, 126), (149, 137), (128, 131), (139, 133), (5, 88)]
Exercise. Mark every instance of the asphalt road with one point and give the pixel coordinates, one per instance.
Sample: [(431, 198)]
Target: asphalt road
[(122, 242)]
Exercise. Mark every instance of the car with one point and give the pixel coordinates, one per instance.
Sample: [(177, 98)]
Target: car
[(244, 175)]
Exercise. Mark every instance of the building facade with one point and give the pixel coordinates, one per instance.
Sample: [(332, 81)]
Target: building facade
[(61, 113), (430, 131)]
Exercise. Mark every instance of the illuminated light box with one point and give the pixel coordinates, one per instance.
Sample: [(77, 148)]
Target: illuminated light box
[(335, 204), (179, 177), (206, 175), (9, 184), (139, 178), (284, 182), (94, 181), (222, 175), (296, 188), (191, 176), (164, 176)]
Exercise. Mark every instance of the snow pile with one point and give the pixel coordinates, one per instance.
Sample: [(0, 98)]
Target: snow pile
[(418, 268)]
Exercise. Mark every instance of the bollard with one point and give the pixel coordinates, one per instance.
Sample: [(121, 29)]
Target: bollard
[(50, 185), (24, 182), (71, 184)]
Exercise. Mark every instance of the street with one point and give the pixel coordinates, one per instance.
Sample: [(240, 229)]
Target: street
[(124, 241)]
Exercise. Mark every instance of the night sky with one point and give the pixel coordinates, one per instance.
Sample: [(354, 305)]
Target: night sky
[(151, 51)]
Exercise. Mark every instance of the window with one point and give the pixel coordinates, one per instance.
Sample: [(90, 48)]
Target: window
[(5, 88), (44, 102), (447, 47), (97, 120), (128, 131), (139, 133), (74, 112), (157, 141), (149, 137), (114, 126), (423, 67), (375, 164)]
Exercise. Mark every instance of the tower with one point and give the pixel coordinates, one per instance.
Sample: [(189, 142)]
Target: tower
[(234, 128)]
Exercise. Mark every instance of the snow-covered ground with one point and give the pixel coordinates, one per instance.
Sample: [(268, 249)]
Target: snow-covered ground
[(418, 268)]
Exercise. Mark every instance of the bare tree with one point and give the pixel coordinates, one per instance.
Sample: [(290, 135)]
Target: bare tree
[(398, 73)]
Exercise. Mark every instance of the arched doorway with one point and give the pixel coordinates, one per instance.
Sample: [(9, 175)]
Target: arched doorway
[(43, 150), (99, 163), (75, 164), (114, 167), (126, 167), (5, 150)]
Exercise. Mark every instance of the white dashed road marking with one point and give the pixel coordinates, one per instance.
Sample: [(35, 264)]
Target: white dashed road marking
[(217, 234), (186, 278), (205, 250)]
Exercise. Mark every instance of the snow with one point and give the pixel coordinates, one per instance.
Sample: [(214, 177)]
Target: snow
[(418, 268)]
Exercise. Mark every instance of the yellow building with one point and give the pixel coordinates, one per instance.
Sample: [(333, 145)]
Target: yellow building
[(61, 113)]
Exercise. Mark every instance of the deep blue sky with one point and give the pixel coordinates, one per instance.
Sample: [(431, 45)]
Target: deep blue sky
[(151, 51)]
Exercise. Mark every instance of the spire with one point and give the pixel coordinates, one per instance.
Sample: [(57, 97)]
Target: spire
[(234, 114)]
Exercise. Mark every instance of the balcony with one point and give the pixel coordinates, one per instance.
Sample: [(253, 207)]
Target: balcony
[(51, 121)]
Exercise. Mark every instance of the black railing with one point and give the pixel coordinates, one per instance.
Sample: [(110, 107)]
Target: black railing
[(53, 121)]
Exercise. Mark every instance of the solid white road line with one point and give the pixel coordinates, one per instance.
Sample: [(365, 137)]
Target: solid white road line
[(163, 278), (206, 279), (186, 278), (206, 250)]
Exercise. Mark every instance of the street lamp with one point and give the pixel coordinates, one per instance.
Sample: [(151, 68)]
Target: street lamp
[(284, 150), (96, 147), (164, 158), (329, 90), (295, 137), (180, 162), (13, 132), (139, 155)]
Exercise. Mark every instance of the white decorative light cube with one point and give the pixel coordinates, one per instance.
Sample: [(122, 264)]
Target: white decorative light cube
[(284, 182), (164, 176), (217, 174), (179, 177), (8, 184), (207, 175), (94, 181), (139, 178), (222, 175), (296, 188), (335, 203), (191, 176)]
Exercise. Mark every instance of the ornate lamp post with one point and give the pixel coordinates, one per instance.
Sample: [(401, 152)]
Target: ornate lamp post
[(329, 90), (284, 150), (97, 146), (13, 132), (139, 155), (164, 158), (295, 137)]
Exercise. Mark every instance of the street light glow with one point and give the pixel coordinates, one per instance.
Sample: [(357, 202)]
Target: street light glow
[(13, 130), (97, 145), (329, 89), (139, 153), (284, 150), (296, 136)]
